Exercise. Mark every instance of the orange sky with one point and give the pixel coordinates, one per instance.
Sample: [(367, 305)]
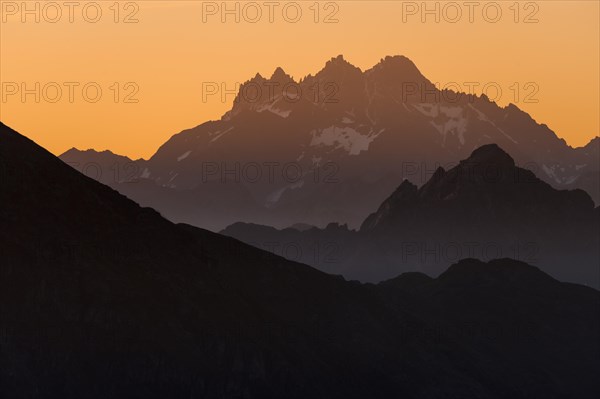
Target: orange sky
[(171, 51)]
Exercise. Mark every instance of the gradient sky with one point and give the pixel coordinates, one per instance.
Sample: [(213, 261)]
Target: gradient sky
[(171, 51)]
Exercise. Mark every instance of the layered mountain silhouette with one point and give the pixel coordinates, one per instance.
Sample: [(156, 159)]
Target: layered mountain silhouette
[(485, 207), (100, 297), (332, 146)]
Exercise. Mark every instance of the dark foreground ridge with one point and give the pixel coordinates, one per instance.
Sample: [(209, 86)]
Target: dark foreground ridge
[(102, 298)]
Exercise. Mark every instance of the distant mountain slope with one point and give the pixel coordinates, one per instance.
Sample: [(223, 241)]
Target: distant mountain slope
[(106, 167), (102, 298), (589, 179), (485, 188), (330, 147), (485, 207)]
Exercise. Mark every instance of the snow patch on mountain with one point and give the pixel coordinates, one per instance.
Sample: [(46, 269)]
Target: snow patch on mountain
[(456, 126), (551, 172), (446, 119), (429, 110), (275, 196), (570, 179), (218, 134), (435, 110), (183, 156), (271, 108), (484, 118), (171, 180), (345, 138), (504, 133), (480, 115)]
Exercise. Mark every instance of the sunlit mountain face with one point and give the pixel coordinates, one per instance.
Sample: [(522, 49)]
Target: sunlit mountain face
[(330, 148)]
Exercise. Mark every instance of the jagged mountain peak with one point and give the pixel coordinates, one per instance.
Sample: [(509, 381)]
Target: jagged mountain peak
[(339, 60), (438, 174), (279, 75), (405, 191), (487, 184), (490, 154), (337, 66), (406, 187), (396, 62), (258, 78), (397, 69), (366, 123)]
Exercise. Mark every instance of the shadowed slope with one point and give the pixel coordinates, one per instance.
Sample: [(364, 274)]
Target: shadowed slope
[(102, 298)]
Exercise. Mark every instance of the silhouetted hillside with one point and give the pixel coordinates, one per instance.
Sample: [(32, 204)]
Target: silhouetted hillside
[(485, 207), (102, 298)]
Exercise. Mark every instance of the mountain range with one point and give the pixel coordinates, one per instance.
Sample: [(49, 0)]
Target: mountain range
[(100, 297), (330, 147), (485, 207)]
